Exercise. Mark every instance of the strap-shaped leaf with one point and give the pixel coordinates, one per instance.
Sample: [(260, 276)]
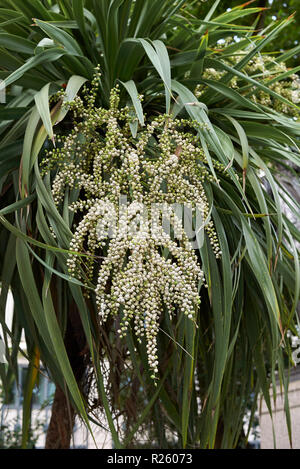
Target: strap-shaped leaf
[(62, 38), (42, 104)]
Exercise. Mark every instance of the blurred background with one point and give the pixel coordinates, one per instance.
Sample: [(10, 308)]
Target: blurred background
[(275, 10)]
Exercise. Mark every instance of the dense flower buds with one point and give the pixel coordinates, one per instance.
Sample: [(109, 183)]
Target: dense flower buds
[(144, 271)]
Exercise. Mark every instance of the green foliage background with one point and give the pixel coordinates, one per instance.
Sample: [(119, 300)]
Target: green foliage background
[(160, 49), (275, 10)]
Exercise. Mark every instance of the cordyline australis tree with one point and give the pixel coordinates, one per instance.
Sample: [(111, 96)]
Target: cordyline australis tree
[(137, 98)]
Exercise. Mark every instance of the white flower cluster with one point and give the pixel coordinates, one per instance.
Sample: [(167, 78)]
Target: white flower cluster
[(141, 271)]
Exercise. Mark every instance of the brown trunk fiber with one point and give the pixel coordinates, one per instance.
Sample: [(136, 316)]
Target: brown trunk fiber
[(61, 424), (62, 420)]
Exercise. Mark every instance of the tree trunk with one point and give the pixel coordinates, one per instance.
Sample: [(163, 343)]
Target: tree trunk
[(62, 421), (60, 430)]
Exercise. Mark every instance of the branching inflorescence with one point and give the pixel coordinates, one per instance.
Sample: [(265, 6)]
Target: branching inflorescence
[(261, 67), (142, 271)]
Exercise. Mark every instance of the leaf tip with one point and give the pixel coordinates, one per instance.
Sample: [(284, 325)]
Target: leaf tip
[(243, 5), (291, 16)]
